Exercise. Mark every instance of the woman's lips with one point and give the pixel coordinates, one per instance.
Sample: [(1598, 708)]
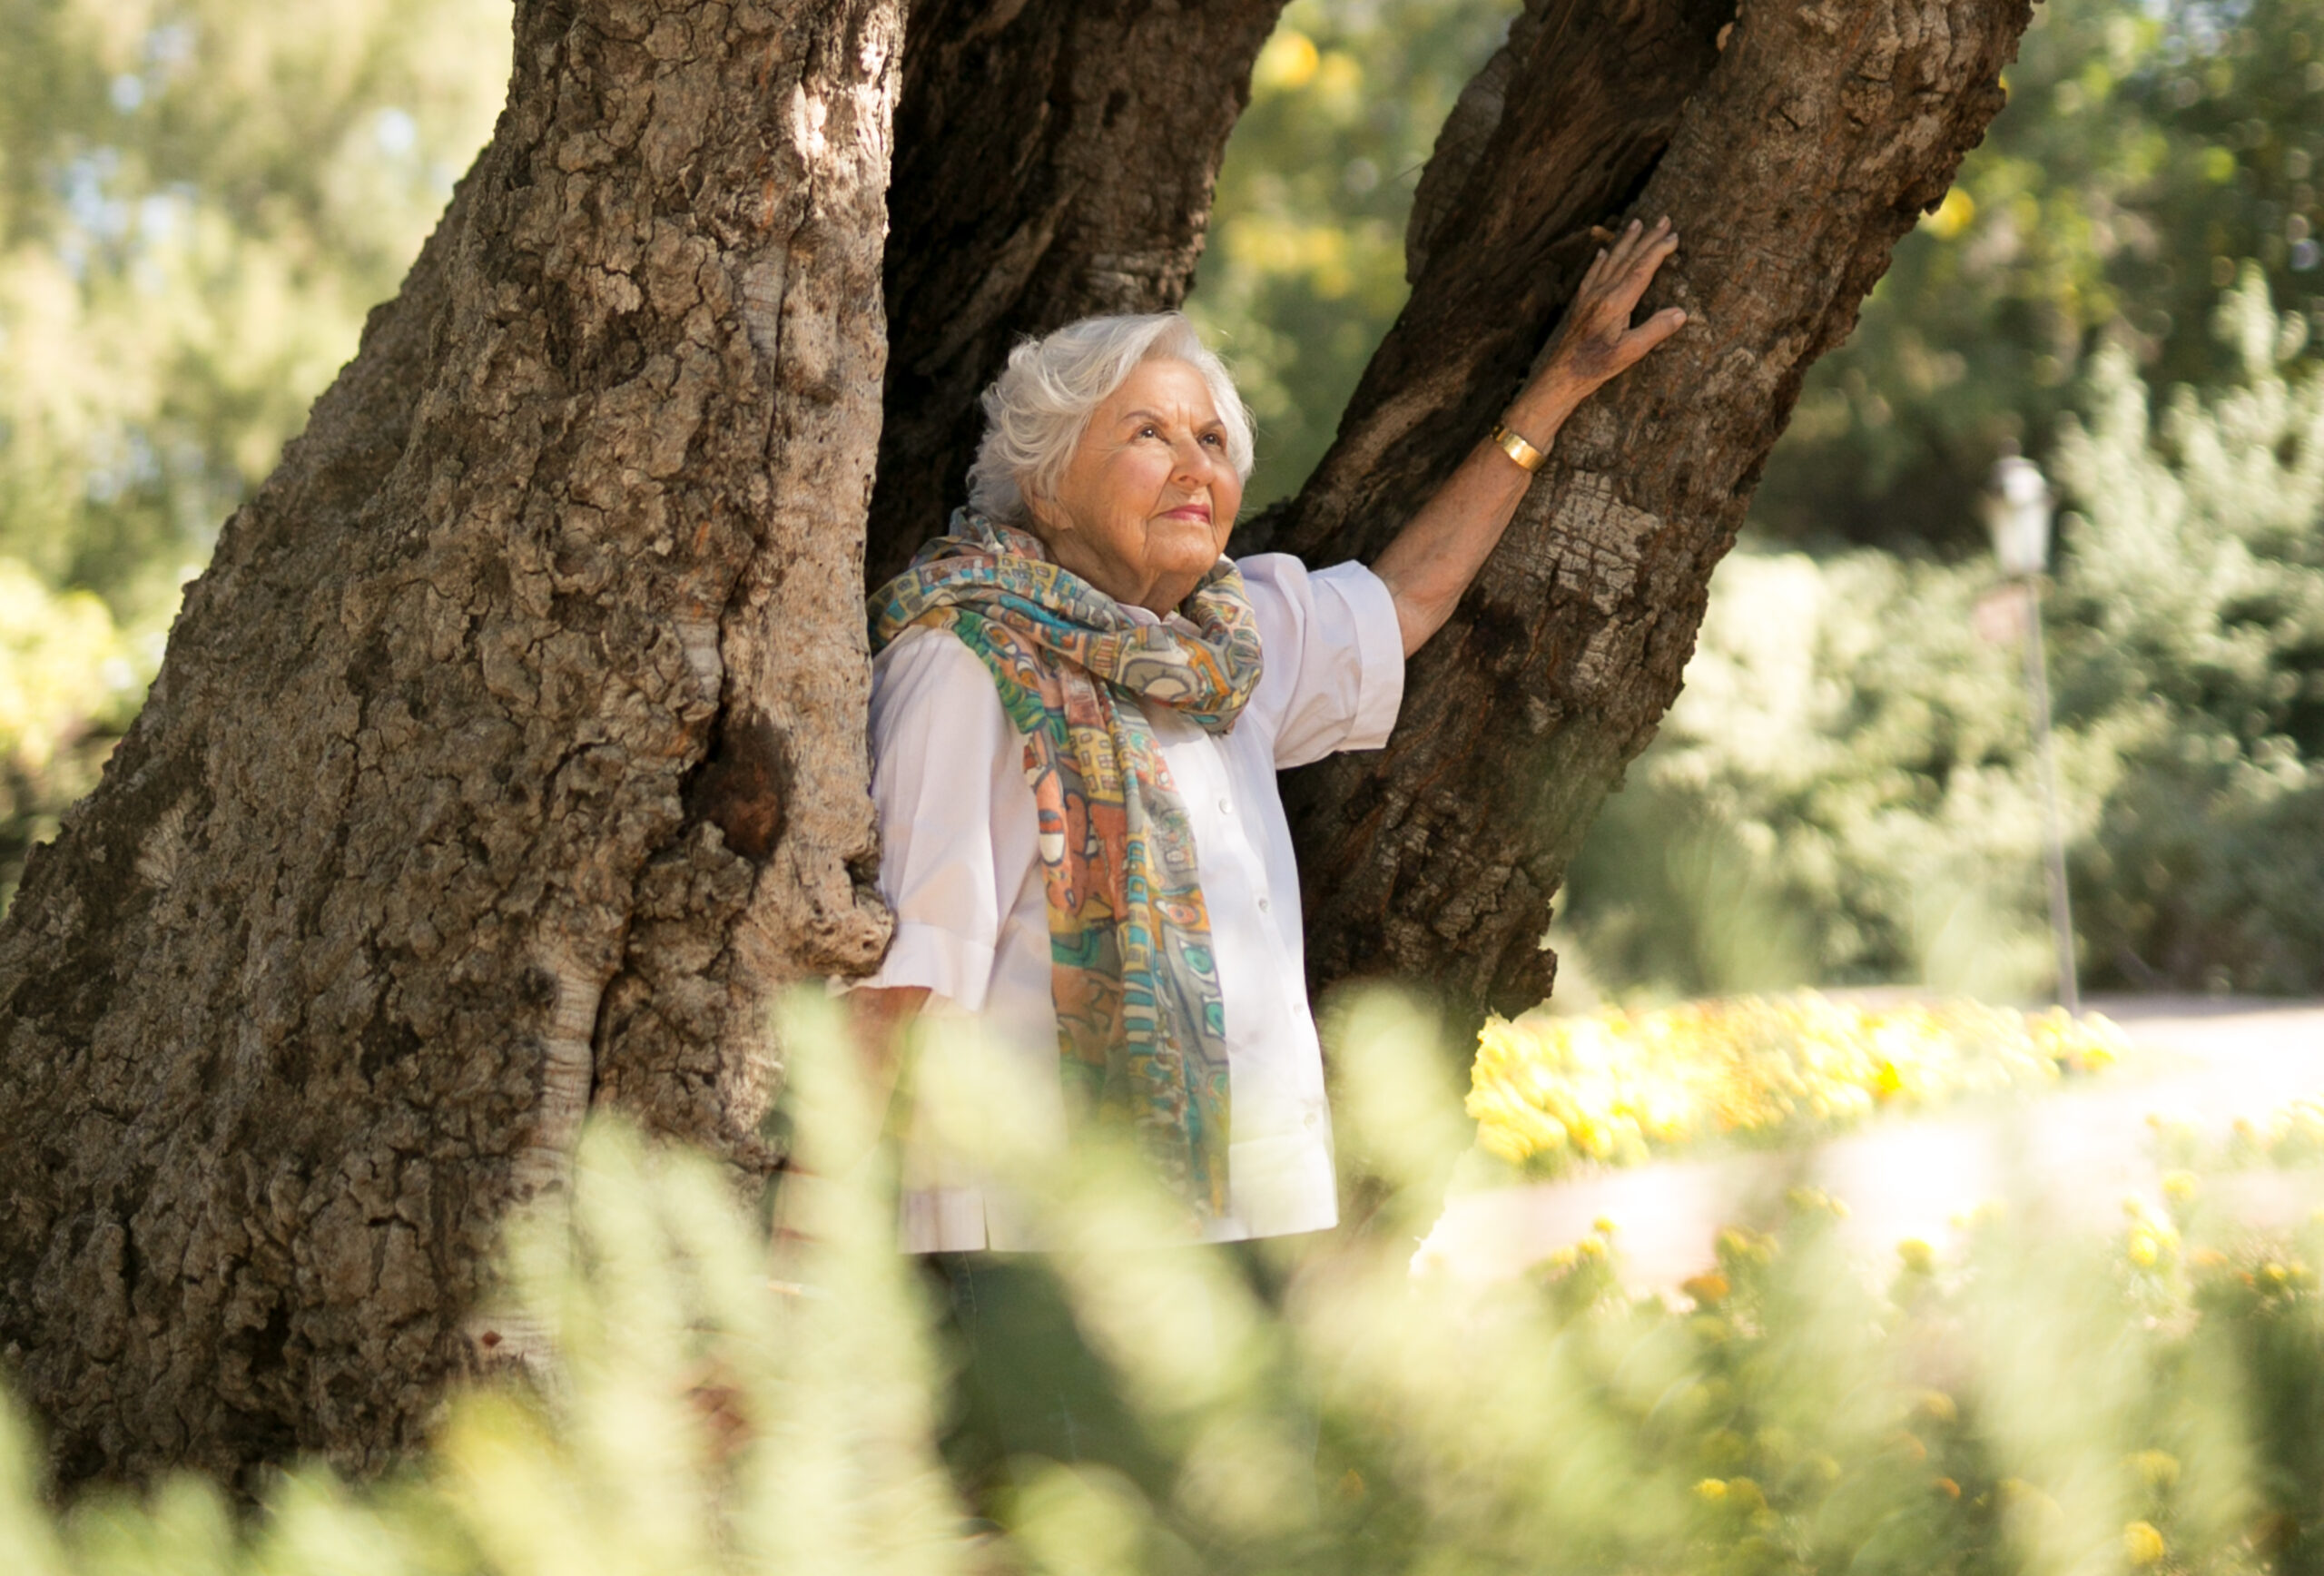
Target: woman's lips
[(1189, 512)]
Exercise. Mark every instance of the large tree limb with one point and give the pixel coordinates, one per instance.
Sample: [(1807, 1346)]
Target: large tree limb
[(510, 751), (513, 740), (1821, 133)]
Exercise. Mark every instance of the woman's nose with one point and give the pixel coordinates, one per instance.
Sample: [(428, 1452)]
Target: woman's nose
[(1195, 461)]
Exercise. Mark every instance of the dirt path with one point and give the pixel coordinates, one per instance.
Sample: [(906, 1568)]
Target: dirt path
[(2072, 1155)]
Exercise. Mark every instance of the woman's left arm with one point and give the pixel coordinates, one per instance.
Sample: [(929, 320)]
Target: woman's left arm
[(1433, 559)]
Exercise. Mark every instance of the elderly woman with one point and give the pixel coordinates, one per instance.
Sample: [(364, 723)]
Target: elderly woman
[(1079, 708)]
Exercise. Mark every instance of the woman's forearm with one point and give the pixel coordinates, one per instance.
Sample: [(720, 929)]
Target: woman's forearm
[(1433, 559)]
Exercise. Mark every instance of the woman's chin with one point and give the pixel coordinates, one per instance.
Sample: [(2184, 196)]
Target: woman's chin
[(1182, 547)]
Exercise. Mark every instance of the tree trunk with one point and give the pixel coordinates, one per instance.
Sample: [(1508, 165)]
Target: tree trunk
[(511, 751), (515, 736), (512, 748), (1053, 159), (1791, 152)]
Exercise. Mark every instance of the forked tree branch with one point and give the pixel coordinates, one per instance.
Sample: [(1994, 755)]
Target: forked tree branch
[(1796, 158)]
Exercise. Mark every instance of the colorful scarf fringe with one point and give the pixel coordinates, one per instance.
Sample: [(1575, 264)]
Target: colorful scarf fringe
[(1141, 1028)]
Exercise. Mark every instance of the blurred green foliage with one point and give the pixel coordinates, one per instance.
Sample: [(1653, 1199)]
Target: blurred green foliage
[(691, 1400), (1846, 788), (2148, 151), (199, 201)]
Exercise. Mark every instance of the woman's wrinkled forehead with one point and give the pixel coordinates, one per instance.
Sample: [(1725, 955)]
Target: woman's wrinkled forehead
[(1038, 410), (1165, 389)]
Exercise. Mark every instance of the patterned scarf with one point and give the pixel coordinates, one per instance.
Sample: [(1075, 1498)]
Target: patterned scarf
[(1141, 1028)]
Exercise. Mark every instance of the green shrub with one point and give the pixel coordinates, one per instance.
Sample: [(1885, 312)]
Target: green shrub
[(1844, 791), (1842, 794), (2191, 641), (2023, 1402)]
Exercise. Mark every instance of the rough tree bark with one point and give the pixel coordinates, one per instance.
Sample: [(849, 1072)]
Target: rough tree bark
[(513, 739), (511, 750), (1791, 150)]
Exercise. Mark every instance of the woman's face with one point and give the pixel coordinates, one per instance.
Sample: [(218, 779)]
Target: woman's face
[(1145, 503)]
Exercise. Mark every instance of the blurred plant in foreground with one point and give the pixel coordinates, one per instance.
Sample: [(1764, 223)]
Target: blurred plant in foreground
[(697, 1404), (1551, 1093)]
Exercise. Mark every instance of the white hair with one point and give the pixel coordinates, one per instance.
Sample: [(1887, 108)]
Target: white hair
[(1036, 411)]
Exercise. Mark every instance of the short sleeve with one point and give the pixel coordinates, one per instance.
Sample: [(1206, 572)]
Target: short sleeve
[(941, 748), (1334, 657)]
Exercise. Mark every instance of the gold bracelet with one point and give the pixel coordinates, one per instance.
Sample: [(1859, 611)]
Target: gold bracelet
[(1517, 448)]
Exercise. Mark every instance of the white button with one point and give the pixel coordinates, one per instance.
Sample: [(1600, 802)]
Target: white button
[(1226, 807), (1313, 1121), (1262, 905)]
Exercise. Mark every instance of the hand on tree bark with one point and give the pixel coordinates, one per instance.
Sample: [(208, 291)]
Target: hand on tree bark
[(716, 1400), (879, 1018), (1429, 566), (1597, 343)]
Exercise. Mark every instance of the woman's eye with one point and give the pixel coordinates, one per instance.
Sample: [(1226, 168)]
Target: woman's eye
[(1215, 440)]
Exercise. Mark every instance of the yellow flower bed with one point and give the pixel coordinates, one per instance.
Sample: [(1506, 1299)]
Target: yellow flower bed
[(1548, 1093), (2293, 1136)]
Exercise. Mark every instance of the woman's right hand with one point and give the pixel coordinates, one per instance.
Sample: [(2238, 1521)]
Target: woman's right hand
[(1596, 343), (879, 1017)]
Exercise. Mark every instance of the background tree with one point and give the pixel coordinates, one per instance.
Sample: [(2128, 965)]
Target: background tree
[(1846, 792), (510, 750), (199, 201), (2148, 152), (414, 842)]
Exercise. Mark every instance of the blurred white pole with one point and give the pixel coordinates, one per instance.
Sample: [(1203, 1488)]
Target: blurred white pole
[(2017, 512), (2037, 680)]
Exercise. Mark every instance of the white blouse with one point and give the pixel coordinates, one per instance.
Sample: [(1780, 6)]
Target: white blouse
[(960, 868)]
